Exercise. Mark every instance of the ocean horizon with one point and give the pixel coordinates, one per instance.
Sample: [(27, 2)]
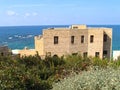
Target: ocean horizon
[(17, 37)]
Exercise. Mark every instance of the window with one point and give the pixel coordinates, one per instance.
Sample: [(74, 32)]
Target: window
[(75, 27), (91, 38), (55, 56), (48, 53), (105, 37), (85, 54), (2, 54), (72, 39), (55, 39), (74, 54), (97, 54), (82, 39), (105, 52)]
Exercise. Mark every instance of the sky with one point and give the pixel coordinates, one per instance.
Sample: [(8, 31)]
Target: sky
[(59, 12)]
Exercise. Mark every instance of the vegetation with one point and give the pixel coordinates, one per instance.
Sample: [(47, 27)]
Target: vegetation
[(27, 73), (34, 73), (99, 79)]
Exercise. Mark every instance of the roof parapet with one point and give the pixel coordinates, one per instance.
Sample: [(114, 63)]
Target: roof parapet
[(38, 37), (79, 26)]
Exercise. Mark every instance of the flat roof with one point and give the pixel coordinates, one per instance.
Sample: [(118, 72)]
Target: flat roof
[(76, 29)]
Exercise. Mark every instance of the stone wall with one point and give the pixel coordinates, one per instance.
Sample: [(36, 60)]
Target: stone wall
[(27, 52), (4, 50), (45, 44), (63, 42)]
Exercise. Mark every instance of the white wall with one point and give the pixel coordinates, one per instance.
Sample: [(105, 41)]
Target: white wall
[(116, 54)]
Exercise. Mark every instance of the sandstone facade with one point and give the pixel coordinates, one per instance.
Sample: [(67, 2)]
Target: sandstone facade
[(75, 39)]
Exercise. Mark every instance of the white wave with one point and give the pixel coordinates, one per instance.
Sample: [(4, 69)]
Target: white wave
[(22, 36), (19, 36), (10, 38), (16, 35), (29, 36)]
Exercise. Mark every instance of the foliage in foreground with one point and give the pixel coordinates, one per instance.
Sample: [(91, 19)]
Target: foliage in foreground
[(96, 79), (28, 73), (34, 73)]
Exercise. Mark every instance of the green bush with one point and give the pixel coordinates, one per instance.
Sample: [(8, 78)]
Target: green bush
[(26, 73), (77, 62), (102, 63), (34, 73)]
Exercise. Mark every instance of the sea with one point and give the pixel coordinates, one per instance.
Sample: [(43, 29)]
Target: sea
[(18, 37)]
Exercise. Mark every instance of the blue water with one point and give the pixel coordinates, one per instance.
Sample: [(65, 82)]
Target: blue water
[(17, 37)]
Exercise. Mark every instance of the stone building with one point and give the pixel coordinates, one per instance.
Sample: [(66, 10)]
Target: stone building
[(75, 39), (5, 51)]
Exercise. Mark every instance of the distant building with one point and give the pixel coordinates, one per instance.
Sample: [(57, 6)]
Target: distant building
[(5, 51), (27, 52), (75, 39), (116, 54)]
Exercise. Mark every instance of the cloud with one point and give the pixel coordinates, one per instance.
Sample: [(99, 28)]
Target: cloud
[(30, 14), (11, 13), (34, 14), (27, 14)]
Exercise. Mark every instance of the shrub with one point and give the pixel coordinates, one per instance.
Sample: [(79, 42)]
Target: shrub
[(102, 63), (99, 79), (24, 74), (77, 63), (34, 73)]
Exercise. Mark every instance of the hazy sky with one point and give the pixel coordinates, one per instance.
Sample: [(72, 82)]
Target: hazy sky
[(59, 12)]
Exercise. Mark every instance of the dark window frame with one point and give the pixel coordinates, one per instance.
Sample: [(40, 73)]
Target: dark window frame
[(105, 52), (2, 54), (85, 54), (82, 38), (75, 27), (97, 54), (91, 38), (56, 39), (105, 37), (74, 54), (48, 53), (72, 39)]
